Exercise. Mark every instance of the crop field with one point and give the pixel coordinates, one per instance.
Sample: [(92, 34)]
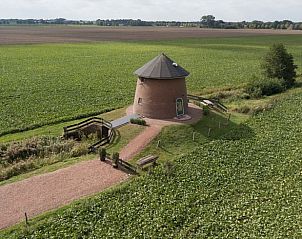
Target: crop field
[(64, 34), (225, 188), (45, 84)]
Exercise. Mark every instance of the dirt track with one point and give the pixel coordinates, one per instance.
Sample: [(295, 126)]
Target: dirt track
[(61, 34)]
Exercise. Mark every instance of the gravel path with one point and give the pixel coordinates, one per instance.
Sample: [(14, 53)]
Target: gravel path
[(48, 191), (140, 142), (52, 190)]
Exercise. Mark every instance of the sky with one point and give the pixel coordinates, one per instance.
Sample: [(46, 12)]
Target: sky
[(177, 10)]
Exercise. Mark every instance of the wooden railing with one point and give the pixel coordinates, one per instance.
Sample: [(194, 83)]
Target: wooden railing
[(76, 128), (129, 167), (85, 123), (103, 141), (216, 103)]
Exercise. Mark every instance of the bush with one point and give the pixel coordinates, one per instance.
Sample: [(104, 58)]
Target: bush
[(138, 121), (16, 169), (29, 154), (35, 147), (243, 109), (79, 150), (264, 87), (103, 154), (205, 110), (278, 63)]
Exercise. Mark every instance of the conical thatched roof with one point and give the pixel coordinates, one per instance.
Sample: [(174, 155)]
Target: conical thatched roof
[(161, 67)]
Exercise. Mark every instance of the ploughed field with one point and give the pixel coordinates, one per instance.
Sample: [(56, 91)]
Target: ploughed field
[(60, 34), (247, 187), (47, 83)]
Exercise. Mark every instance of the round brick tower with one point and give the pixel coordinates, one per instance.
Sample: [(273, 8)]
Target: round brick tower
[(161, 91)]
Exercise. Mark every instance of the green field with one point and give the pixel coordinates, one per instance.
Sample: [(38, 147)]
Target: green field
[(227, 187), (241, 181), (44, 84)]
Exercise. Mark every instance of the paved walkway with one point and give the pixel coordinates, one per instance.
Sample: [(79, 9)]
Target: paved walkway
[(52, 190), (124, 120)]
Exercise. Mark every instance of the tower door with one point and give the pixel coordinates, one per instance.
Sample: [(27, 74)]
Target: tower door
[(180, 110)]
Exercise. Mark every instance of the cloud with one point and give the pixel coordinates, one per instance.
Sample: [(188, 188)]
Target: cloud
[(229, 10)]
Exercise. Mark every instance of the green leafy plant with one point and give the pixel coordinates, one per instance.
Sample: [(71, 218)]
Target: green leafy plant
[(205, 110), (138, 121), (263, 86), (103, 154)]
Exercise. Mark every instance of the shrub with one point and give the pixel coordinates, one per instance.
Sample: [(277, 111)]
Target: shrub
[(138, 121), (278, 63), (23, 156), (243, 109), (205, 110), (16, 169), (35, 147), (103, 154), (79, 150), (264, 87)]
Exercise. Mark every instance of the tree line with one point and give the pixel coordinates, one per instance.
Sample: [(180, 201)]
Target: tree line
[(207, 21)]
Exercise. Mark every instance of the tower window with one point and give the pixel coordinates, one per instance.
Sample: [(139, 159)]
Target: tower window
[(140, 101)]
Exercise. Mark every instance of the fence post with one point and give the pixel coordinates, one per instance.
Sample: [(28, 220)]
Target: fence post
[(194, 136), (26, 219), (158, 144), (209, 132)]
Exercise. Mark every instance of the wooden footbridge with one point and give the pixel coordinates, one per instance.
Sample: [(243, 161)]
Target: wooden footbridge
[(105, 130)]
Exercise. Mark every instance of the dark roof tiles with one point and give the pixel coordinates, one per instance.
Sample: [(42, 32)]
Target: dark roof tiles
[(161, 67)]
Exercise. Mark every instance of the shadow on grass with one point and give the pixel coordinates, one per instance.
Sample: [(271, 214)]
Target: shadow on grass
[(217, 127), (298, 84), (165, 150)]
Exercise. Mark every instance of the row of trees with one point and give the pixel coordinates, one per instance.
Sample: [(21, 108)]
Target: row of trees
[(209, 21), (44, 22)]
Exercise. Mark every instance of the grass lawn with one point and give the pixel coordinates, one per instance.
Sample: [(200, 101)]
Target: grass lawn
[(178, 139)]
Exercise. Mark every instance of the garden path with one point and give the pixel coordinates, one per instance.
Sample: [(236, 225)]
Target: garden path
[(48, 191)]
